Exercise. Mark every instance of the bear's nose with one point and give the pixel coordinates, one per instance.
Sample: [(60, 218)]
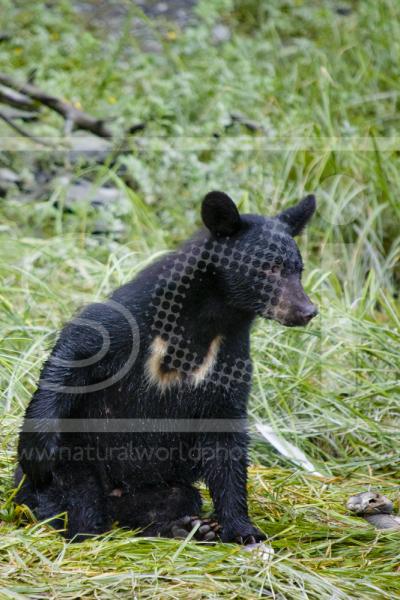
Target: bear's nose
[(310, 312)]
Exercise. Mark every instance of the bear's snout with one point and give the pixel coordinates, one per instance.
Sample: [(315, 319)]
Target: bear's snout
[(309, 313), (299, 315), (294, 307)]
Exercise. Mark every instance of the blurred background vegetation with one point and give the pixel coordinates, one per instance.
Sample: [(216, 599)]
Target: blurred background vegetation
[(266, 101)]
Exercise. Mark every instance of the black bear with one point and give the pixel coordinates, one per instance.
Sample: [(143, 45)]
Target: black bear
[(146, 394)]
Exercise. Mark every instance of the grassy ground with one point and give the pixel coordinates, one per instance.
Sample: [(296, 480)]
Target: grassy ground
[(324, 87)]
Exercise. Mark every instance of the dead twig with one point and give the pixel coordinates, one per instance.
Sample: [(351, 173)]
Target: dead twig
[(78, 118), (13, 98)]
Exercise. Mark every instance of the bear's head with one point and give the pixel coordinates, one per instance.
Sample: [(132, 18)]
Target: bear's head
[(257, 259)]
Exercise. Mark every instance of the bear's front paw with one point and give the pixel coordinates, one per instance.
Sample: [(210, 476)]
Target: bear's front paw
[(242, 534)]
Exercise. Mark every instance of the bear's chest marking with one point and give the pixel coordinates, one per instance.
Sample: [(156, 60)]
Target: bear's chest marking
[(166, 367)]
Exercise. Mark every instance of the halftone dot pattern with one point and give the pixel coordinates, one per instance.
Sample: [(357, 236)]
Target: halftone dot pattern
[(264, 266)]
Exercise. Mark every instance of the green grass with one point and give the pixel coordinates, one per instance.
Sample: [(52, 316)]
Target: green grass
[(317, 82)]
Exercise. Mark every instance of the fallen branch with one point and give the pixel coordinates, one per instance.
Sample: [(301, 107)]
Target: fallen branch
[(22, 115), (248, 123), (74, 117), (21, 131), (135, 128), (13, 98)]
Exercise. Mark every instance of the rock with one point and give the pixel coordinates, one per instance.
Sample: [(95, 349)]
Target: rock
[(261, 550), (9, 176), (221, 33), (86, 191), (88, 148), (344, 11), (114, 227), (161, 7), (108, 202)]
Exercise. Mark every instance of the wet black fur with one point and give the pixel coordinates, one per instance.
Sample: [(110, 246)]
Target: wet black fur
[(78, 473)]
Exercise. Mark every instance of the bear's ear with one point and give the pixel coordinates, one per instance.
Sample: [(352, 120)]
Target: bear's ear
[(297, 217), (220, 215)]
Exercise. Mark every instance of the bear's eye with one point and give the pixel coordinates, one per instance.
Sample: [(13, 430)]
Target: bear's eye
[(272, 271)]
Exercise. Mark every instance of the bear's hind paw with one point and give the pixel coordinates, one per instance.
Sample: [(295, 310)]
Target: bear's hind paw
[(207, 529)]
